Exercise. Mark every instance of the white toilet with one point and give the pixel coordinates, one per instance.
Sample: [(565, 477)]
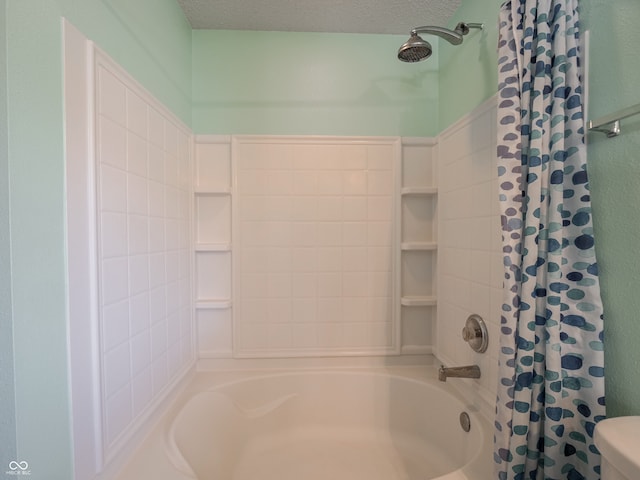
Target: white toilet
[(618, 440)]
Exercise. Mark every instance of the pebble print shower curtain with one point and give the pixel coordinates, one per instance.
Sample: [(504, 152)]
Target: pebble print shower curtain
[(551, 377)]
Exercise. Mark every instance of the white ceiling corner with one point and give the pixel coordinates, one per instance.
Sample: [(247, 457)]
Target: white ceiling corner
[(331, 16)]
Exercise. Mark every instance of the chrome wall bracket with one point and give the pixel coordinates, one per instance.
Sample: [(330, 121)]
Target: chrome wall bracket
[(475, 333), (612, 130), (610, 124)]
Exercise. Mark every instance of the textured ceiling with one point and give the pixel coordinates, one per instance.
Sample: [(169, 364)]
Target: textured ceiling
[(337, 16)]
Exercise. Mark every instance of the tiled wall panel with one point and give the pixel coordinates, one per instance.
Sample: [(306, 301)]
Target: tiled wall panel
[(470, 264), (143, 217), (313, 242)]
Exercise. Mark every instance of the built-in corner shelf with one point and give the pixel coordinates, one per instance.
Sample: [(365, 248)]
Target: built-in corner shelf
[(213, 304), (418, 301), (418, 246), (212, 199), (212, 191), (213, 247), (406, 191)]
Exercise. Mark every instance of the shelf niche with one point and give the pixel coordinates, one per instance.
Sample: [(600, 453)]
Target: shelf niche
[(418, 195)]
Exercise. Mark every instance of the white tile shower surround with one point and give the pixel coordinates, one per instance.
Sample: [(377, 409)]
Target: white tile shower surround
[(145, 252), (143, 220), (470, 263), (313, 245), (314, 236), (329, 222), (326, 237)]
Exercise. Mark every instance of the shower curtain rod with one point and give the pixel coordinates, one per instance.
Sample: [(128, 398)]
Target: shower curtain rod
[(611, 122)]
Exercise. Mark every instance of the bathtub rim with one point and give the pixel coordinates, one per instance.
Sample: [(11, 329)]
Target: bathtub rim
[(210, 381)]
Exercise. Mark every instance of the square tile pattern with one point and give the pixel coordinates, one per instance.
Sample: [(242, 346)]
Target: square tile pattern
[(470, 263), (315, 241), (303, 235), (143, 217)]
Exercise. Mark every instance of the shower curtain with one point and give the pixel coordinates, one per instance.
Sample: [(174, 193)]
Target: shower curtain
[(551, 377)]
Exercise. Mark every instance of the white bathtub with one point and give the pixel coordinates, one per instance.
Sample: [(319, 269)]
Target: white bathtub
[(337, 425)]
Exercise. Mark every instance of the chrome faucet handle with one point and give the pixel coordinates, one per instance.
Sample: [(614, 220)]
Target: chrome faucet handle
[(475, 333), (468, 334)]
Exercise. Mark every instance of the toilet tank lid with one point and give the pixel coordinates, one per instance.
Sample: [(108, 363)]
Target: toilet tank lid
[(618, 440)]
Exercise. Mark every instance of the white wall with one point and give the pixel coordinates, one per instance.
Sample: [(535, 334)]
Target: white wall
[(315, 235), (332, 242), (446, 202), (143, 182), (470, 263)]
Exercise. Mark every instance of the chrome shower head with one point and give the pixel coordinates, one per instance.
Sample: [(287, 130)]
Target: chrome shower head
[(416, 49)]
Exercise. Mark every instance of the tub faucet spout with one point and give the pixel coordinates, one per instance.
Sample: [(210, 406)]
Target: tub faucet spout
[(468, 371)]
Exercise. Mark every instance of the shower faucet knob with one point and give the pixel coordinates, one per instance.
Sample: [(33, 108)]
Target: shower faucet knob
[(475, 333), (468, 334)]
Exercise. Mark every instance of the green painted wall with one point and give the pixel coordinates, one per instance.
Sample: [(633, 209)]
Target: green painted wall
[(310, 83), (614, 165), (468, 77), (468, 73), (156, 51), (151, 39), (36, 180), (7, 387)]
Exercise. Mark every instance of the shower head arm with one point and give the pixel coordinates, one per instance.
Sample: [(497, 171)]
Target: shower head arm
[(454, 37), (450, 36)]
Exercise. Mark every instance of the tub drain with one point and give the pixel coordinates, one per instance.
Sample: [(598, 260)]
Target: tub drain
[(465, 421)]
